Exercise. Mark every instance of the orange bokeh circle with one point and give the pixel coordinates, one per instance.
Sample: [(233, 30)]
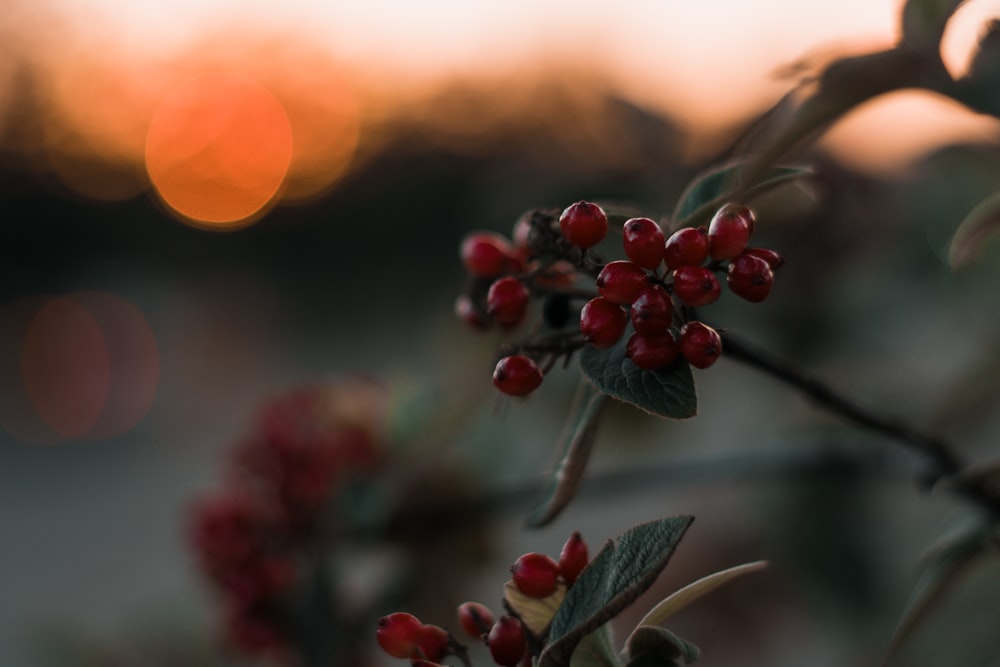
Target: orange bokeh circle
[(218, 150)]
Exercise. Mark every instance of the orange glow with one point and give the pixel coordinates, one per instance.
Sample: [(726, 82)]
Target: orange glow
[(218, 150), (66, 367)]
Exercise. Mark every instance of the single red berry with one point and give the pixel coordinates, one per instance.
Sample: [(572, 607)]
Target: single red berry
[(620, 282), (584, 224), (535, 575), (773, 259), (433, 643), (644, 242), (700, 344), (507, 301), (652, 311), (696, 285), (602, 322), (399, 634), (475, 618), (729, 231), (517, 375), (488, 255), (522, 232), (466, 310), (750, 277), (686, 247), (507, 642), (652, 352), (573, 558)]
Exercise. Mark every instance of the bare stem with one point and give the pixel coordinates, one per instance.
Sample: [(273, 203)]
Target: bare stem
[(943, 460)]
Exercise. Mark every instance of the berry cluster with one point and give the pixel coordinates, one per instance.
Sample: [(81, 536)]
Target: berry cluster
[(509, 642), (251, 536), (654, 291)]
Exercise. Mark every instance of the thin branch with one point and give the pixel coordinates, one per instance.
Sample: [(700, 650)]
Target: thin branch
[(944, 461)]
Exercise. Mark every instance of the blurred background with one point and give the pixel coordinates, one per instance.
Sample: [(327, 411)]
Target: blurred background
[(206, 204)]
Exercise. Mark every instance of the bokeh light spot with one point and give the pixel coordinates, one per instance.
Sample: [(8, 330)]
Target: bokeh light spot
[(66, 367), (218, 150), (133, 358)]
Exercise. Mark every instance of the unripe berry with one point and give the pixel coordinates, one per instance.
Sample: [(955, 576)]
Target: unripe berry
[(602, 322), (517, 375), (507, 642), (584, 224), (750, 277), (507, 301), (466, 310), (620, 282), (696, 285), (652, 352), (686, 247), (433, 642), (488, 255), (700, 344), (652, 311), (773, 259), (573, 558), (729, 231), (399, 634), (535, 575), (643, 241), (475, 619)]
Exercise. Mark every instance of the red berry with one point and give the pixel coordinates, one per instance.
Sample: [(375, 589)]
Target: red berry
[(399, 634), (488, 255), (652, 311), (773, 259), (584, 224), (573, 558), (475, 618), (602, 322), (535, 575), (700, 344), (750, 277), (433, 642), (652, 352), (522, 232), (696, 285), (507, 301), (466, 310), (507, 642), (644, 242), (620, 282), (686, 247), (729, 231), (517, 375)]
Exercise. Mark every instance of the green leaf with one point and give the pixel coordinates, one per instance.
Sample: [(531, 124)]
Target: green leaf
[(651, 660), (667, 392), (595, 650), (563, 482), (611, 582), (681, 598), (942, 565), (663, 644), (709, 191), (981, 223), (924, 22)]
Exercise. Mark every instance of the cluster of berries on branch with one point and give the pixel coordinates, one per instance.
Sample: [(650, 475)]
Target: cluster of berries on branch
[(509, 641), (585, 301)]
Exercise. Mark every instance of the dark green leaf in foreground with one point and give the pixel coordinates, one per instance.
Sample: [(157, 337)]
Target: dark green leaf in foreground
[(668, 392), (612, 581), (665, 645), (707, 192)]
